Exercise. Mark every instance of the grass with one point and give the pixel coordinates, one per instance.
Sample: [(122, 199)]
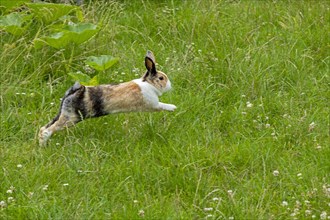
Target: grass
[(249, 140)]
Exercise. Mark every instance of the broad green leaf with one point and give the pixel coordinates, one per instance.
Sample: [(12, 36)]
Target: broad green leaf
[(7, 5), (49, 12), (57, 40), (84, 79), (102, 62), (94, 81), (15, 23), (81, 32), (73, 33)]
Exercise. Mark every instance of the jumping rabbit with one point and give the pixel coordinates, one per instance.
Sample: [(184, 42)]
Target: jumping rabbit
[(82, 102)]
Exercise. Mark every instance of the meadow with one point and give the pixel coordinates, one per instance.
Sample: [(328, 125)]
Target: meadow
[(249, 140)]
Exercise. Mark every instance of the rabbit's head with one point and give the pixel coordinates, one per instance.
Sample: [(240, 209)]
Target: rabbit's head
[(156, 78)]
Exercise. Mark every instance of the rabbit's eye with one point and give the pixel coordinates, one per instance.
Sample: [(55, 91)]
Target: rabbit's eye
[(161, 78)]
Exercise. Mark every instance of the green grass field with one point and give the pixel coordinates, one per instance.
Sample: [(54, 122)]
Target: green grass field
[(249, 140)]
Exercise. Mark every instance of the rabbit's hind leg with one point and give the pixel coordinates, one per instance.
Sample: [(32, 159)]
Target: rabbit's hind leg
[(59, 123)]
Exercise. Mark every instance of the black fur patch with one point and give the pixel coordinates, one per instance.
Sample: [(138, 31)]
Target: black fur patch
[(78, 102), (96, 95)]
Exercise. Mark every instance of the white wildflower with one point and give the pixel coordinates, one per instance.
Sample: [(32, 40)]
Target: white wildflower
[(141, 213), (208, 209), (311, 126), (276, 173), (285, 203), (10, 199), (30, 194), (45, 188), (65, 184), (3, 204), (323, 215), (19, 166), (249, 104), (308, 212), (267, 125)]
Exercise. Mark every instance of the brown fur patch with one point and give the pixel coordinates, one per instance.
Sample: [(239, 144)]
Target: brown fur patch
[(124, 97)]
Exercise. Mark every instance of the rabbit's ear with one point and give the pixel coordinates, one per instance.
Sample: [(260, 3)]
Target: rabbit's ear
[(150, 63)]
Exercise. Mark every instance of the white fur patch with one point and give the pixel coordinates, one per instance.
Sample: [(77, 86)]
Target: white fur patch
[(149, 92)]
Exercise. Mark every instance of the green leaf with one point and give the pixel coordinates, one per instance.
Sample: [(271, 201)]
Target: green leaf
[(72, 33), (102, 62), (7, 5), (84, 79), (81, 32), (57, 40), (94, 81), (49, 12), (15, 23)]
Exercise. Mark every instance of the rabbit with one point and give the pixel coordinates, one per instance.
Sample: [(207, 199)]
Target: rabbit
[(139, 95)]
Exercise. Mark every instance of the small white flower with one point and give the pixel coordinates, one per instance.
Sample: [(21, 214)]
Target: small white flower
[(3, 204), (243, 96), (65, 184), (313, 216), (276, 173), (135, 201), (285, 203), (208, 209), (267, 125), (231, 218), (323, 215), (244, 113), (10, 199), (30, 194), (311, 126), (141, 213), (45, 188), (230, 193), (10, 190), (308, 212), (19, 166), (209, 216), (249, 104), (216, 199), (318, 147), (52, 103), (299, 175)]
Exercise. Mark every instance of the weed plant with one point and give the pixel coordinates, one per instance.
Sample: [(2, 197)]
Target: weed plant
[(249, 140)]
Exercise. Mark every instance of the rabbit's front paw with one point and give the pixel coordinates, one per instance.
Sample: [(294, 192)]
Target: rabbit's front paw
[(167, 107)]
